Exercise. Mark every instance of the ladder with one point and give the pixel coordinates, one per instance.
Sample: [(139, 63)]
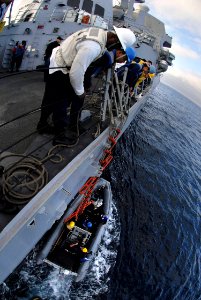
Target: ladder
[(31, 54), (7, 57)]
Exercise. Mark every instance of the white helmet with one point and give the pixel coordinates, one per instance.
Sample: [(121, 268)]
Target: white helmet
[(126, 37)]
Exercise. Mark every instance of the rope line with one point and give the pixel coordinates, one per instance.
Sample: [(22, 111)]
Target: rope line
[(33, 177)]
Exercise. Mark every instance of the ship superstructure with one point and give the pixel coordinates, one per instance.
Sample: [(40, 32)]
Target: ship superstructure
[(152, 40), (110, 110), (39, 22)]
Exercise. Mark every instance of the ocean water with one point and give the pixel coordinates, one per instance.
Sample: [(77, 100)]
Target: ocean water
[(156, 179), (152, 246)]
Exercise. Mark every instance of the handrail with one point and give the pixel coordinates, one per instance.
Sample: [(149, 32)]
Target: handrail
[(64, 15)]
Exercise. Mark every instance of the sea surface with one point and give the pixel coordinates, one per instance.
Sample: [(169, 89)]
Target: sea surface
[(152, 246)]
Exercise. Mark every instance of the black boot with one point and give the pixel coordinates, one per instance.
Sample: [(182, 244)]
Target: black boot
[(77, 129), (68, 140)]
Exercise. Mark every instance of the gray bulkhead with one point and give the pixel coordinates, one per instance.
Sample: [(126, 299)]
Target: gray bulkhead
[(40, 22)]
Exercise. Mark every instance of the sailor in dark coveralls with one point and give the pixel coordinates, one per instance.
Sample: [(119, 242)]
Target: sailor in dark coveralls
[(48, 53)]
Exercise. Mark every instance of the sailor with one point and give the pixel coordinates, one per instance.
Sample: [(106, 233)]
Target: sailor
[(84, 250), (104, 219), (99, 218), (152, 71), (65, 84), (134, 70), (87, 224), (150, 76), (137, 73), (116, 56), (70, 225), (17, 55), (48, 53), (51, 46), (145, 73), (84, 256)]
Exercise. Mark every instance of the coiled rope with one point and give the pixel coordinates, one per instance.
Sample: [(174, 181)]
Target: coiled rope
[(22, 180)]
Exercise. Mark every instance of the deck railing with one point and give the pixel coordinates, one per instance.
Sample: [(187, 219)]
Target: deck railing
[(63, 15)]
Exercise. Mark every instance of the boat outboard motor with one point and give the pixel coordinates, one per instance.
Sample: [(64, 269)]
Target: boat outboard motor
[(162, 66)]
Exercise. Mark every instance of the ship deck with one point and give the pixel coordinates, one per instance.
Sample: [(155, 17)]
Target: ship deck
[(21, 96)]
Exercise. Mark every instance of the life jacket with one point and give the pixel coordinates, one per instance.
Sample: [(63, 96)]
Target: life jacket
[(66, 53), (141, 62), (140, 79), (151, 75)]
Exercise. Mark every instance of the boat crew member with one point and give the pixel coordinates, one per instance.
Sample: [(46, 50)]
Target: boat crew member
[(137, 72), (87, 224), (65, 84), (150, 76), (145, 73), (84, 255), (103, 219), (70, 225), (134, 70), (99, 218), (48, 53), (106, 61)]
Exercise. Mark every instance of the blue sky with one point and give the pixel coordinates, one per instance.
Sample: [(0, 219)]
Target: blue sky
[(183, 23)]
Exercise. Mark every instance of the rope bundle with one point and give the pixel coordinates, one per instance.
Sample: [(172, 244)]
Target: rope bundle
[(23, 180)]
